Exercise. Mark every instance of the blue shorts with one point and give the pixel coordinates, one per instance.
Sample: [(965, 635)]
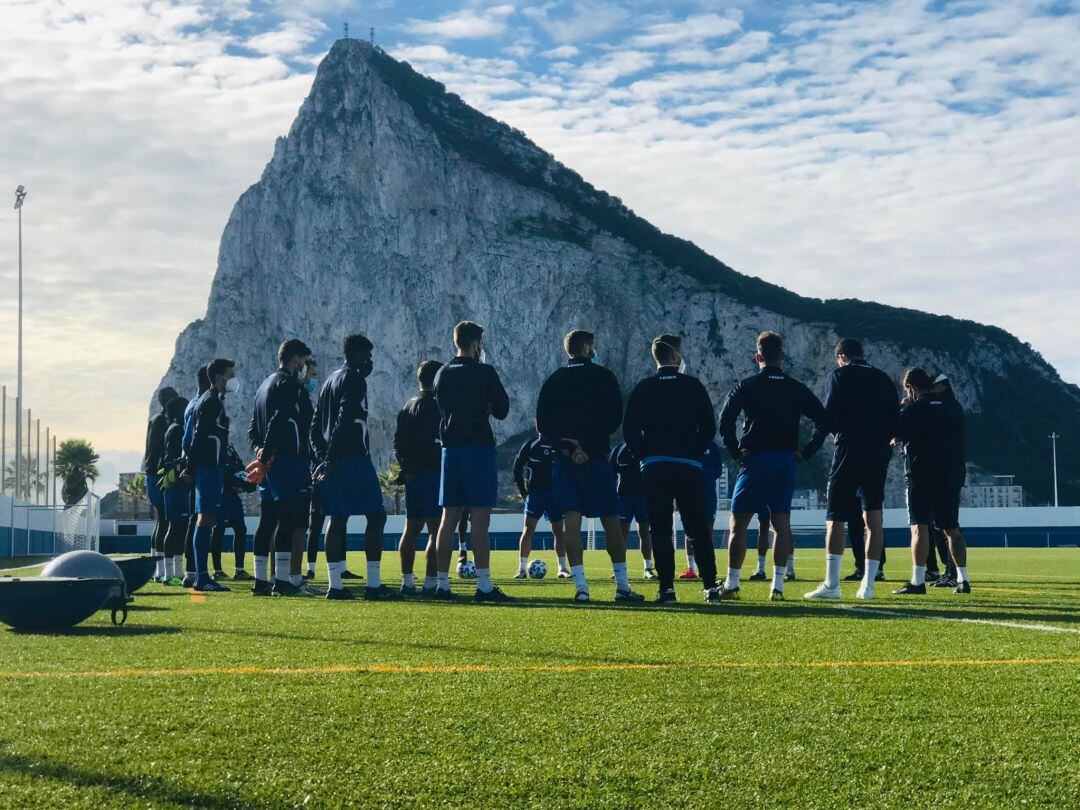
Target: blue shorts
[(422, 496), (352, 488), (470, 476), (209, 486), (153, 494), (631, 508), (587, 488), (766, 481), (232, 510), (542, 503), (175, 502), (289, 479)]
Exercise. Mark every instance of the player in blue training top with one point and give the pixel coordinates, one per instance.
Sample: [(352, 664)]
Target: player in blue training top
[(533, 478), (773, 406), (631, 502), (280, 421), (581, 402), (210, 438), (469, 392), (339, 436), (419, 455)]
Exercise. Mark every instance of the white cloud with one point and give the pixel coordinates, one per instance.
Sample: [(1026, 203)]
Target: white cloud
[(696, 28), (293, 36), (467, 24), (562, 52)]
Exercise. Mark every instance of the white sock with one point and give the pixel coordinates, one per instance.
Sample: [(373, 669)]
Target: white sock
[(691, 563), (159, 565), (918, 575), (760, 564), (281, 564), (778, 574), (563, 564), (311, 568), (430, 583), (334, 569), (177, 564), (832, 570), (296, 580), (523, 563), (579, 576), (871, 572), (622, 580), (262, 564), (374, 573), (648, 565), (483, 580), (791, 562), (733, 577), (408, 580), (442, 580), (168, 568), (961, 574)]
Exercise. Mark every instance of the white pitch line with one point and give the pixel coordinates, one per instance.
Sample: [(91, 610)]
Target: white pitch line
[(1046, 628)]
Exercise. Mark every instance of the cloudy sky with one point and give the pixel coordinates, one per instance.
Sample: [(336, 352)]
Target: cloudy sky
[(925, 154)]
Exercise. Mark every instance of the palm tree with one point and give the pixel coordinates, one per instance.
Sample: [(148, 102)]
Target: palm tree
[(136, 489), (34, 481), (390, 489), (76, 463)]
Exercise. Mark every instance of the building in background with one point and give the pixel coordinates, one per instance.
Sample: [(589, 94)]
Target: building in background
[(991, 491)]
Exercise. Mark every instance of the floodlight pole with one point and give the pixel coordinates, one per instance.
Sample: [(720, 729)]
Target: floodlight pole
[(20, 195), (1053, 450)]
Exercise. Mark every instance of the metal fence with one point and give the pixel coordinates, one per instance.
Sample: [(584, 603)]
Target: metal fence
[(29, 472)]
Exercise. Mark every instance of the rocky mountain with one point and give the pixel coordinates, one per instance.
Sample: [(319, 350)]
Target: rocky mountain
[(395, 209)]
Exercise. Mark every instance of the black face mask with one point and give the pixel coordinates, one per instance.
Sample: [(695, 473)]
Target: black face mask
[(365, 367)]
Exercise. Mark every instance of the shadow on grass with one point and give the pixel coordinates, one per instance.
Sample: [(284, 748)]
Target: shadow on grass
[(103, 631), (140, 789)]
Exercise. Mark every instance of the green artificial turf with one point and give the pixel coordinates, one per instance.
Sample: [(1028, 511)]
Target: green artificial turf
[(549, 704)]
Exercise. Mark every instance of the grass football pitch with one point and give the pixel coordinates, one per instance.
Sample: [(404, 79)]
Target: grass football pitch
[(229, 700)]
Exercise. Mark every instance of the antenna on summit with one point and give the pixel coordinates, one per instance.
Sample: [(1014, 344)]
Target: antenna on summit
[(346, 30), (372, 36)]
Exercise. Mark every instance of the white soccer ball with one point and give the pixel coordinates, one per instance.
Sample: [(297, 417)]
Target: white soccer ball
[(466, 570), (537, 569)]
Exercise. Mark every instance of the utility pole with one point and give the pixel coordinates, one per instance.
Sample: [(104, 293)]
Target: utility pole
[(20, 196), (1053, 450), (372, 35), (346, 30)]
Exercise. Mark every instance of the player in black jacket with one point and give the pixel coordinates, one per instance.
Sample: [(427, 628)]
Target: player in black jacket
[(533, 476), (280, 423), (669, 423), (581, 402), (175, 491), (151, 463), (207, 456), (469, 392), (773, 406), (931, 432), (419, 455), (863, 408), (339, 437)]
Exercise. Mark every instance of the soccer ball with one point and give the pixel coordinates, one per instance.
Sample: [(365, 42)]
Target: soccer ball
[(466, 570), (537, 569)]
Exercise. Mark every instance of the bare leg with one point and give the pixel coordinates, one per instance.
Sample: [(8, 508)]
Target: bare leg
[(429, 553), (481, 518), (737, 543), (407, 544), (783, 542), (875, 540), (444, 544), (645, 535), (572, 538), (613, 532), (557, 529), (957, 547)]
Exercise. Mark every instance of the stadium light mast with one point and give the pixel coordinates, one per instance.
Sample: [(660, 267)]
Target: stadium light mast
[(20, 196), (1053, 451)]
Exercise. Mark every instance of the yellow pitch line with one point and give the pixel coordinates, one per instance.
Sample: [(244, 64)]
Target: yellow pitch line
[(399, 669)]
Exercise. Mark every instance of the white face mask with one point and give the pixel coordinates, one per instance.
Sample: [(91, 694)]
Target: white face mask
[(483, 356), (682, 364), (232, 386)]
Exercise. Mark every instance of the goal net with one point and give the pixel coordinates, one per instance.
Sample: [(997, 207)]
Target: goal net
[(78, 527)]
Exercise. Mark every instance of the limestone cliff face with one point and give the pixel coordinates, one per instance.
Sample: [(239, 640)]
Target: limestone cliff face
[(395, 210)]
